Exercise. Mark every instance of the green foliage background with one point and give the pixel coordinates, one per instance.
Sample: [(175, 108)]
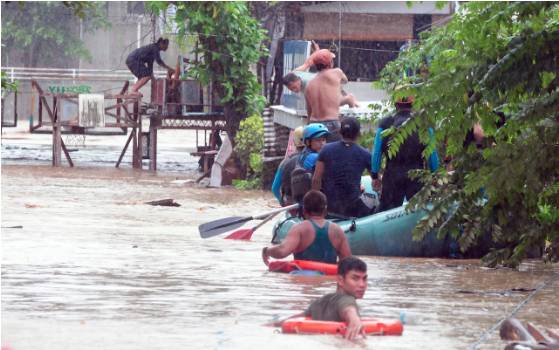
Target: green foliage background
[(230, 41), (46, 31), (249, 145), (491, 57)]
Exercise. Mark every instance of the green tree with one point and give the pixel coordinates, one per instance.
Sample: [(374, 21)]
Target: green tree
[(229, 43), (48, 31), (492, 60)]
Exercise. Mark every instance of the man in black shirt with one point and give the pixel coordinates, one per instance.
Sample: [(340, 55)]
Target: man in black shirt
[(140, 62)]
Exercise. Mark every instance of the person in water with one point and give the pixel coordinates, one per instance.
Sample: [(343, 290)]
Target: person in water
[(281, 186), (341, 306), (140, 63), (315, 239), (338, 172)]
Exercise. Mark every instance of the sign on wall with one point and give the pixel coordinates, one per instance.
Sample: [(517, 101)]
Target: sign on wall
[(74, 89)]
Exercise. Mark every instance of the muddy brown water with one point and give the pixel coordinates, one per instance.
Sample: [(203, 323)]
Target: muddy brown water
[(95, 268)]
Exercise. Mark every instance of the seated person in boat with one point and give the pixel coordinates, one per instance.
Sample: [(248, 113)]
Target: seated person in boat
[(341, 306), (314, 137), (281, 186), (314, 239), (338, 172), (396, 185)]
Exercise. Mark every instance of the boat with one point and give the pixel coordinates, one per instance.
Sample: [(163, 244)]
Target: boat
[(387, 233), (372, 326)]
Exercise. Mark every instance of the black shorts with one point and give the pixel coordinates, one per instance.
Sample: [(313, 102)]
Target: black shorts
[(138, 69)]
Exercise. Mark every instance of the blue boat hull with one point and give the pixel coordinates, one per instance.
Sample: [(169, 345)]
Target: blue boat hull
[(383, 234), (388, 233)]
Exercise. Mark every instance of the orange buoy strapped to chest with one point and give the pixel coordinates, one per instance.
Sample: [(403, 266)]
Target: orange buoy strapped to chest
[(372, 326), (295, 265)]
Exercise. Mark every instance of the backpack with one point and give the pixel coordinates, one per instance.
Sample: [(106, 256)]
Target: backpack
[(301, 180)]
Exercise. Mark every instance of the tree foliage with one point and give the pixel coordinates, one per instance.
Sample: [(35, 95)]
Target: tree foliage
[(47, 31), (497, 64), (249, 145), (229, 42), (7, 85)]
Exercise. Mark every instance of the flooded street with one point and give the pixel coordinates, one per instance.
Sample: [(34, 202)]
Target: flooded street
[(93, 267)]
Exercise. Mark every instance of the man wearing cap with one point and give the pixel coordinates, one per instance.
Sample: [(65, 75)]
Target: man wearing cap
[(338, 172), (281, 186), (396, 185), (323, 93)]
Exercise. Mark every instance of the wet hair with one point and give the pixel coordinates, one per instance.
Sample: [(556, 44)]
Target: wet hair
[(290, 78), (351, 263), (349, 128), (162, 41), (314, 202)]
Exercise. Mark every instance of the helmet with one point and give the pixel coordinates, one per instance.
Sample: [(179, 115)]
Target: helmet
[(298, 137), (314, 131)]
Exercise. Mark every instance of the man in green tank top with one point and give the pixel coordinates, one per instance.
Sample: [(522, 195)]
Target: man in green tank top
[(315, 239)]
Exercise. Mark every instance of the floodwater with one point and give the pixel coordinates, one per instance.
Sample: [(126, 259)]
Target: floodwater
[(93, 267)]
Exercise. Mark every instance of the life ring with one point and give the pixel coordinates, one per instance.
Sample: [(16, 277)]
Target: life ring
[(372, 326), (294, 265)]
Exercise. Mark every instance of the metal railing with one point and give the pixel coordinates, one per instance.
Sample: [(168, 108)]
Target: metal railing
[(24, 73)]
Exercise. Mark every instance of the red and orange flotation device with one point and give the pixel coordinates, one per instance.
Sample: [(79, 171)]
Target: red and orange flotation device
[(372, 326), (295, 265)]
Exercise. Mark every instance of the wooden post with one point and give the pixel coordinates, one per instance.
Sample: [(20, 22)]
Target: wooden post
[(56, 136), (152, 144), (136, 158)]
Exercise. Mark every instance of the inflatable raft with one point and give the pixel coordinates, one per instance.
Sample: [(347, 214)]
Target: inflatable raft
[(372, 326), (388, 233), (303, 265)]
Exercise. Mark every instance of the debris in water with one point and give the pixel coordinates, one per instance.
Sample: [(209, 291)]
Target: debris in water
[(165, 202)]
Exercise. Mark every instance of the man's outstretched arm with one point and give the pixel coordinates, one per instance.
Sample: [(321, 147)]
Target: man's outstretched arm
[(354, 325)]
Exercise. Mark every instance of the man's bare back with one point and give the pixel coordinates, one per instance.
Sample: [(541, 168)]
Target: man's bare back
[(323, 95)]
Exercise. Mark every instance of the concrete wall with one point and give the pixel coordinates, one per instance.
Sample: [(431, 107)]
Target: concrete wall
[(110, 47)]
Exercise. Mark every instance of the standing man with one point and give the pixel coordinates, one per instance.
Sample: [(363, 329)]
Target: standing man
[(395, 181), (338, 172), (140, 63), (341, 306), (323, 94), (315, 239)]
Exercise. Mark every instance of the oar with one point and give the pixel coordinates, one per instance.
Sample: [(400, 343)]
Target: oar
[(214, 228), (246, 233)]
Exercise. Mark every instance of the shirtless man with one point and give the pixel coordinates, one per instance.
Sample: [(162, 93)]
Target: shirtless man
[(323, 95), (298, 80), (314, 239)]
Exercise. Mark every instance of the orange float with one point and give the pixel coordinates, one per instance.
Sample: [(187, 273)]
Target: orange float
[(372, 326), (294, 265)]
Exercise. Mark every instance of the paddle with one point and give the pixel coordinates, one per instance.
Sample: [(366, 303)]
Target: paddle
[(216, 227), (246, 233)]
